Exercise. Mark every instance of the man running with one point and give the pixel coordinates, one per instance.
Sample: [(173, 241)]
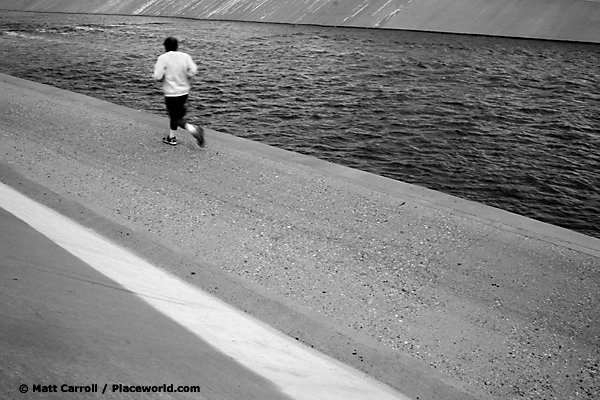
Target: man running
[(175, 70)]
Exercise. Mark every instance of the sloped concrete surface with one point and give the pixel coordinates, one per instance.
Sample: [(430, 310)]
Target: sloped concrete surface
[(66, 328), (418, 289), (72, 300)]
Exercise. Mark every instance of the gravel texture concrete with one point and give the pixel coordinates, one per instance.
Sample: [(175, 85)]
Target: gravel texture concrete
[(411, 286)]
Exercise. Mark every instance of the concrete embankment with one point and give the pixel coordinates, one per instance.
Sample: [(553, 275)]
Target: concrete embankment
[(436, 296), (569, 20)]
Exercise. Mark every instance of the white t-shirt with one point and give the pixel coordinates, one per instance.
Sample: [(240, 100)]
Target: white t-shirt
[(176, 68)]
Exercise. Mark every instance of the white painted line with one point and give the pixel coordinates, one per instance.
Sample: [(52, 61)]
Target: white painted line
[(297, 370)]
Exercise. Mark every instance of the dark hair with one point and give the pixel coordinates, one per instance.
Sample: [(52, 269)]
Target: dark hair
[(170, 44)]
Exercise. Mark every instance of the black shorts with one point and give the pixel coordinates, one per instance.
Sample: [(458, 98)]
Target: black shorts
[(176, 109)]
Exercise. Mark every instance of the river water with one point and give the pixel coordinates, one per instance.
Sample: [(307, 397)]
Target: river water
[(514, 124)]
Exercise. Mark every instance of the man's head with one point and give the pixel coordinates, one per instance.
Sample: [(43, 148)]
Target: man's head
[(170, 44)]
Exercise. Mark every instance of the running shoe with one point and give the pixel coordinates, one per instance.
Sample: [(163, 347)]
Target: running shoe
[(198, 133), (170, 140)]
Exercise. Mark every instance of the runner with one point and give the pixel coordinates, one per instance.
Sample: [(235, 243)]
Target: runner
[(175, 70)]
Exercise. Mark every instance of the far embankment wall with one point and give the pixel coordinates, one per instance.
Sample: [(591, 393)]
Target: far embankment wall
[(570, 20)]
